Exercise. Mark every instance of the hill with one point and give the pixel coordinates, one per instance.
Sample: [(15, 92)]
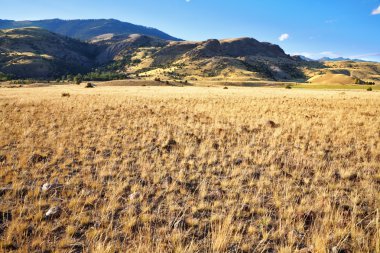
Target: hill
[(346, 72), (340, 59), (241, 58), (332, 79), (36, 53), (87, 29)]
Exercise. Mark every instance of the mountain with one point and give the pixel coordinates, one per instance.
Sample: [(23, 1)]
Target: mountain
[(340, 59), (302, 57), (117, 47), (87, 29), (36, 53), (241, 58)]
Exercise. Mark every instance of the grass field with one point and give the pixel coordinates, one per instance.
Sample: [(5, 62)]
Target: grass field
[(336, 86), (189, 169)]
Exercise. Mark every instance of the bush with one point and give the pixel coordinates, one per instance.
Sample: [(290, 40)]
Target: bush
[(90, 85), (103, 76), (4, 77), (65, 94), (288, 86), (369, 89), (78, 79)]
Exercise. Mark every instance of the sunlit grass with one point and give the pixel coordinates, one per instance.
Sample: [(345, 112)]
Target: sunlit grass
[(189, 169)]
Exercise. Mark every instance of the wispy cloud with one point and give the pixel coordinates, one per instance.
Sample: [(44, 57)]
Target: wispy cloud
[(376, 11), (283, 37)]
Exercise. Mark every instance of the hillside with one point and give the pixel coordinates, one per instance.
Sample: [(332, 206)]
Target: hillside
[(241, 58), (36, 53), (87, 29), (345, 72)]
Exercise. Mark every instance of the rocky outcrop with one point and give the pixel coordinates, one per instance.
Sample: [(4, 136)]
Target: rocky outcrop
[(121, 44)]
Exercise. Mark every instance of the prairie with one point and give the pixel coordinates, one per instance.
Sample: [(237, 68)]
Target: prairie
[(189, 169)]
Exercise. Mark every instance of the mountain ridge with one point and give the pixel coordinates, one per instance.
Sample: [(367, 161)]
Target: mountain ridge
[(341, 59), (86, 29), (38, 53)]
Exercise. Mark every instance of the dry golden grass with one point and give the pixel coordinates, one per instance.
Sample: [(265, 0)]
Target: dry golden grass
[(189, 169)]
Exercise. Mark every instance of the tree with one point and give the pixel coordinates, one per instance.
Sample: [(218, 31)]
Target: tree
[(78, 79), (69, 77)]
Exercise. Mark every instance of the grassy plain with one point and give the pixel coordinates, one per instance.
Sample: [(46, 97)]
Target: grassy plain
[(189, 169)]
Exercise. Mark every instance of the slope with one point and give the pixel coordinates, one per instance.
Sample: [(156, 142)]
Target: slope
[(36, 53), (87, 29)]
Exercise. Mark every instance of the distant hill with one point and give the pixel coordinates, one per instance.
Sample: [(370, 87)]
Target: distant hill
[(330, 78), (301, 57), (87, 29), (340, 59), (36, 53)]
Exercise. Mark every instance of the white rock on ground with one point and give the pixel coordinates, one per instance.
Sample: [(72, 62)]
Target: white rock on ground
[(53, 211)]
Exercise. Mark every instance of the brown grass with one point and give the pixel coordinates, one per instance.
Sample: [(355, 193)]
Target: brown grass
[(189, 169)]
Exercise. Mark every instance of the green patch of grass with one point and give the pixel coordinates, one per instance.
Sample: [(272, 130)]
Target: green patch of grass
[(336, 86)]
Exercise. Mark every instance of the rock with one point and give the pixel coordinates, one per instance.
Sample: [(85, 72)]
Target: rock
[(238, 161), (305, 250), (134, 195), (37, 158), (272, 124), (46, 187), (170, 145), (3, 158), (337, 249), (168, 180), (53, 212)]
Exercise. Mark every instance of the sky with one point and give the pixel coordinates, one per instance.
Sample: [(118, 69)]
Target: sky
[(313, 28)]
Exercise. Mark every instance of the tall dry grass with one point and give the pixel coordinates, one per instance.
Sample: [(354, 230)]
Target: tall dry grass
[(169, 169)]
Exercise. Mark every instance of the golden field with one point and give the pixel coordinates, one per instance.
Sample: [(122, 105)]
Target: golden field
[(189, 169)]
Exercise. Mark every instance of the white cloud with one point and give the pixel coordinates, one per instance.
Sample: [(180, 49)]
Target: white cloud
[(188, 1), (376, 11), (283, 37)]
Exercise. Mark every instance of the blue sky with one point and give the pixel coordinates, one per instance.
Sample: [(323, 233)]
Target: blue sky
[(314, 28)]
